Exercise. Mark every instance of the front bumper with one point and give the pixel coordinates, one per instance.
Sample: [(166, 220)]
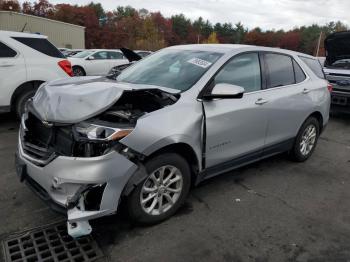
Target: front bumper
[(62, 180)]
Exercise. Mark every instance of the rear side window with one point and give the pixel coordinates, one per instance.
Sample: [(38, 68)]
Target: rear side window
[(314, 65), (299, 73), (115, 55), (6, 51), (102, 55), (41, 45), (280, 71)]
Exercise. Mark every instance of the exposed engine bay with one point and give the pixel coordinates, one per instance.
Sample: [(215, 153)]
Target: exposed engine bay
[(96, 135), (134, 104)]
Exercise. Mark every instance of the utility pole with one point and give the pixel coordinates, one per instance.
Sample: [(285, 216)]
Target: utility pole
[(318, 44)]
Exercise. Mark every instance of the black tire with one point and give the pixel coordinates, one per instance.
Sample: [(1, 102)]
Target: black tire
[(21, 101), (296, 153), (135, 210), (78, 71)]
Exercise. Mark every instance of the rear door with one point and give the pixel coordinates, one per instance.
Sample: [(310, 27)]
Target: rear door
[(116, 59), (288, 99), (99, 65), (235, 128), (12, 72)]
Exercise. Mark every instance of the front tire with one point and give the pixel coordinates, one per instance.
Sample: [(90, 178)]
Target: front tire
[(306, 140), (162, 192)]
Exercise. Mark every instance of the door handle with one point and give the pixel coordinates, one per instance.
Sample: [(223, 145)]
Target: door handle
[(306, 90), (261, 101)]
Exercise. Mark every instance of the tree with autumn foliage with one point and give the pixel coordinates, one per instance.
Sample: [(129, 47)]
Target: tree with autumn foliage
[(11, 5), (140, 29), (212, 39)]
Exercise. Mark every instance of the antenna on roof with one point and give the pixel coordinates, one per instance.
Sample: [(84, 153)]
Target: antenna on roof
[(24, 27)]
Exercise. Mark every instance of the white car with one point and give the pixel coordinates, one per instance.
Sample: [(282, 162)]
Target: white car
[(96, 62), (27, 61)]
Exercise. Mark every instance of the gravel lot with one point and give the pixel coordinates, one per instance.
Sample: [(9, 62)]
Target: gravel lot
[(274, 210)]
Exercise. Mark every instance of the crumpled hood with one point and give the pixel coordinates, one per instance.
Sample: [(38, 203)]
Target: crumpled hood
[(337, 46), (76, 99)]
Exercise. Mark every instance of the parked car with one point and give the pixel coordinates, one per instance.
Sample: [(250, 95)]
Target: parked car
[(175, 118), (337, 69), (96, 62), (74, 52), (27, 61), (143, 53), (132, 57)]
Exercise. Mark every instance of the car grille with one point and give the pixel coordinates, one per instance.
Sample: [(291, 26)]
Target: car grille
[(36, 139), (37, 152)]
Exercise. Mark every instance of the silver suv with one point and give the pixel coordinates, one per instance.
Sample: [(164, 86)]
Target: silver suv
[(175, 118)]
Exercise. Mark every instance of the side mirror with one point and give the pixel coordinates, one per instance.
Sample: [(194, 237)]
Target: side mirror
[(90, 58), (224, 90)]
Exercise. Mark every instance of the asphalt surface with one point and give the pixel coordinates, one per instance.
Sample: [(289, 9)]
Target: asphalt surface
[(274, 210)]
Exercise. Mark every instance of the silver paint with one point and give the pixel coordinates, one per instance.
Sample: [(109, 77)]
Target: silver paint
[(234, 127)]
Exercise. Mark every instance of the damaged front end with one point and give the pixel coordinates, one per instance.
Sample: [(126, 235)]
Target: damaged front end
[(77, 160)]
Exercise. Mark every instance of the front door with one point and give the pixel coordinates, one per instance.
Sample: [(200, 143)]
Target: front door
[(116, 59), (236, 127)]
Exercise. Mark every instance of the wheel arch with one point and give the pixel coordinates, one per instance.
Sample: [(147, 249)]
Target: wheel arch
[(79, 66), (182, 149), (319, 117), (30, 85)]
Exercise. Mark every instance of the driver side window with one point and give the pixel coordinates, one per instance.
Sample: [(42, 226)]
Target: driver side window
[(243, 70)]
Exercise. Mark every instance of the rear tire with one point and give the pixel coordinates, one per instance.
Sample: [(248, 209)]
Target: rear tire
[(306, 140), (78, 71), (21, 101), (166, 186)]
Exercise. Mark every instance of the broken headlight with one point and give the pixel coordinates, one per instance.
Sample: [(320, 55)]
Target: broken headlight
[(102, 133)]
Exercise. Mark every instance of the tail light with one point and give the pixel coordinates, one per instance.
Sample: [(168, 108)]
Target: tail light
[(66, 66), (329, 87)]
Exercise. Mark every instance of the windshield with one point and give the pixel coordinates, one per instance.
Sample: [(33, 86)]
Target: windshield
[(83, 54), (177, 69)]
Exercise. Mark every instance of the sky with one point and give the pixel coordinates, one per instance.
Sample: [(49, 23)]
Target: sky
[(266, 14)]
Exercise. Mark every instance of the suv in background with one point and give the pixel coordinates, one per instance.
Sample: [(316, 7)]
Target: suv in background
[(337, 69), (27, 61)]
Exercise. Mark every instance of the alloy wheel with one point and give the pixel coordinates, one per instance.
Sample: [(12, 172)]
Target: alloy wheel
[(161, 190), (308, 140)]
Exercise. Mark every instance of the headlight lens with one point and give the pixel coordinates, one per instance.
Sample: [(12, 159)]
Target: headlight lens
[(104, 133)]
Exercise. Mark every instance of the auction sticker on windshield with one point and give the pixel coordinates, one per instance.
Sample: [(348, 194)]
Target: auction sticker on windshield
[(199, 62)]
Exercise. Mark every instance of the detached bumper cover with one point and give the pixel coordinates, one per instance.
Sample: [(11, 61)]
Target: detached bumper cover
[(61, 179)]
